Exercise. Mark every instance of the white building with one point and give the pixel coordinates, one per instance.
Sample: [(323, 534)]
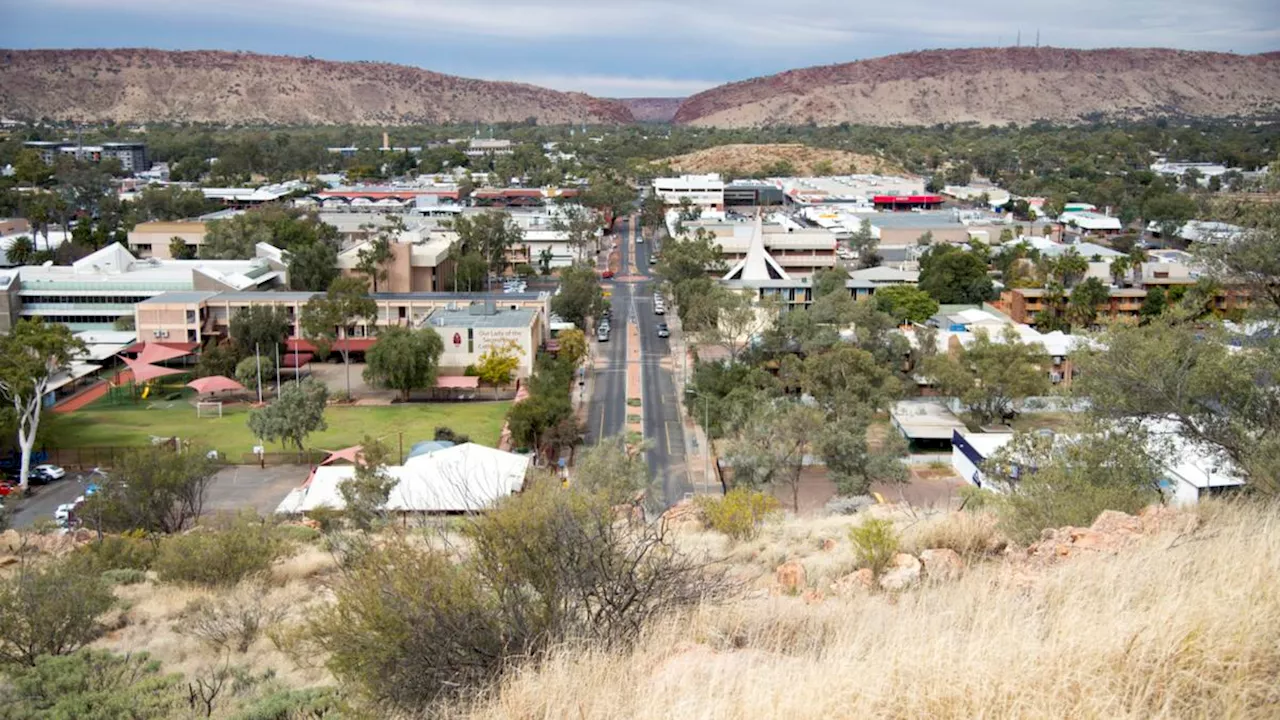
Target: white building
[(704, 191), (1190, 471), (464, 478), (1091, 221)]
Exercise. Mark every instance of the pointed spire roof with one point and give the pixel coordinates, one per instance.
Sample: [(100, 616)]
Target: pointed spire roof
[(758, 264)]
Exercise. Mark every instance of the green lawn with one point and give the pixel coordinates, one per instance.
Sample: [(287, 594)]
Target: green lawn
[(103, 424)]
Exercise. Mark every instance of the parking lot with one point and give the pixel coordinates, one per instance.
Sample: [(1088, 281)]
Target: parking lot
[(236, 487)]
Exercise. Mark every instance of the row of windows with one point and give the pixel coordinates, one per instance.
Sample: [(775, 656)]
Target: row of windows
[(86, 299), (77, 319)]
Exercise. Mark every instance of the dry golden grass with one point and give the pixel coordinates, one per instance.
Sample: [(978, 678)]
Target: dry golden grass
[(970, 534), (1176, 626)]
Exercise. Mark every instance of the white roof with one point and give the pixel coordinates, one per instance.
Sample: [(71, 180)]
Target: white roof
[(76, 371), (1091, 220), (882, 274), (102, 344), (114, 263), (464, 478), (925, 419), (758, 264)]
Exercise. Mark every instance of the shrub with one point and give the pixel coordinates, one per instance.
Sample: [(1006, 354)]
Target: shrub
[(848, 504), (130, 551), (50, 609), (231, 621), (739, 514), (92, 684), (300, 534), (313, 703), (413, 626), (875, 542), (633, 402), (221, 555), (969, 534), (124, 576)]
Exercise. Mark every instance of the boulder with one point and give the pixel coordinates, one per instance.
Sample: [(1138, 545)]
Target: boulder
[(903, 572), (1113, 522), (854, 583), (813, 596), (790, 576), (942, 564)]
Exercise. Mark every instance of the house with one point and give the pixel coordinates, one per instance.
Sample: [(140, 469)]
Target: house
[(1189, 470), (454, 480)]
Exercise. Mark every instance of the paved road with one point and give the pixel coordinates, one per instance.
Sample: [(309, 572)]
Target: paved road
[(606, 414), (233, 488)]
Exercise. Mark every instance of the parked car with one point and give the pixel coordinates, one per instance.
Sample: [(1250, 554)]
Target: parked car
[(65, 514), (653, 259), (606, 274), (36, 477), (52, 471), (602, 334), (659, 309), (663, 330)]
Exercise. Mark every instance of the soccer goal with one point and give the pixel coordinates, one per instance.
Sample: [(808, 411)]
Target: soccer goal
[(209, 408)]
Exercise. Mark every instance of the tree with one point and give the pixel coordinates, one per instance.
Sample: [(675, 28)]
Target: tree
[(770, 449), (498, 363), (532, 420), (609, 471), (864, 243), (20, 250), (50, 609), (29, 168), (580, 296), (990, 376), (573, 346), (653, 214), (217, 359), (831, 280), (260, 328), (1051, 481), (952, 276), (372, 258), (327, 319), (906, 304), (1169, 370), (31, 356), (1153, 305), (296, 413), (1085, 299), (124, 324), (490, 235), (1120, 268), (726, 319), (249, 369), (365, 494), (170, 203), (722, 396), (1069, 267), (312, 266), (845, 379), (93, 685), (404, 360), (611, 197), (235, 238), (581, 228), (180, 250), (1170, 211), (852, 463), (154, 489)]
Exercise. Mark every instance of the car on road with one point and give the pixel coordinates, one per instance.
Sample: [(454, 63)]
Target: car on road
[(602, 334), (607, 274), (663, 330), (659, 309), (53, 471), (36, 477), (65, 514), (653, 259)]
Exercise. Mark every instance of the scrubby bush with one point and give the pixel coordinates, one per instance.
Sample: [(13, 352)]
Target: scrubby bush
[(875, 542), (91, 685), (740, 514), (129, 551), (50, 609), (221, 554), (124, 576), (230, 621), (848, 505), (311, 703), (970, 534), (413, 626), (298, 534)]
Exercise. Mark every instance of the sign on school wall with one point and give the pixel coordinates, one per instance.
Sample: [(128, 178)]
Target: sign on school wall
[(501, 336)]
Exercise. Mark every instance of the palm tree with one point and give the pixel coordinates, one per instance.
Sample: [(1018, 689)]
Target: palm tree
[(1119, 268)]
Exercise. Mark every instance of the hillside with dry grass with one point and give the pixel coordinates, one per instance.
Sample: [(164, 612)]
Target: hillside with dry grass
[(995, 86), (748, 159), (143, 85), (1163, 615)]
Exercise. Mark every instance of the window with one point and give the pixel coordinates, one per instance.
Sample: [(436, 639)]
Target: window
[(191, 316), (470, 339)]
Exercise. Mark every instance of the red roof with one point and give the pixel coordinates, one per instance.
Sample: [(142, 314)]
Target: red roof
[(905, 199), (295, 360), (138, 346), (381, 194)]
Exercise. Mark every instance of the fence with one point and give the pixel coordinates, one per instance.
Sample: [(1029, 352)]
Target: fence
[(87, 458)]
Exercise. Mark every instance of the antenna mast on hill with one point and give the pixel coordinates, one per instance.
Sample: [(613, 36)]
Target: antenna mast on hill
[(1018, 43), (1037, 37)]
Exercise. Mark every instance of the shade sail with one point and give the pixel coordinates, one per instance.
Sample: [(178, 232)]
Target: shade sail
[(351, 455), (215, 383), (348, 344), (152, 353), (457, 381), (143, 372)]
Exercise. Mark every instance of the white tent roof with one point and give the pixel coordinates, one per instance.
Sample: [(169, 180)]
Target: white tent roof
[(464, 478)]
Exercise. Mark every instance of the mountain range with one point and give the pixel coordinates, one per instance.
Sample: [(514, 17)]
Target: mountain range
[(991, 86)]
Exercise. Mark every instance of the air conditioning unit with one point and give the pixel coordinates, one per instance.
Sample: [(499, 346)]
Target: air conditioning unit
[(155, 333), (164, 333)]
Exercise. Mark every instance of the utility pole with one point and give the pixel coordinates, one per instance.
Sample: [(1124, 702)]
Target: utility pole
[(277, 370), (257, 356)]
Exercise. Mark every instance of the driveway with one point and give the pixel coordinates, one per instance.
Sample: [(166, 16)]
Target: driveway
[(236, 487)]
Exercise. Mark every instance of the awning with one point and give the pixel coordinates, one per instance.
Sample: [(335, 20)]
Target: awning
[(295, 360), (215, 383), (76, 371), (155, 352), (348, 344), (142, 372), (457, 381), (138, 346)]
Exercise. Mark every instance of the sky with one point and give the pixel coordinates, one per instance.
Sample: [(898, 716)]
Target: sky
[(630, 48)]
